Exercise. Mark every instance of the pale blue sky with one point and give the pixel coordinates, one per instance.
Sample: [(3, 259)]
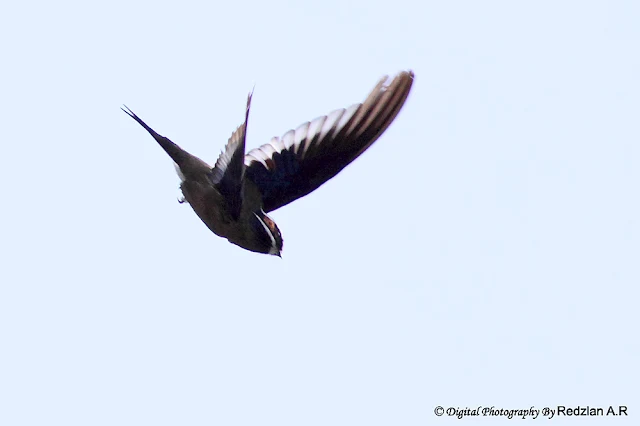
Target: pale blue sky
[(485, 251)]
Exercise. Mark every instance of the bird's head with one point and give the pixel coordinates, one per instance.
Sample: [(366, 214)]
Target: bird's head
[(265, 234)]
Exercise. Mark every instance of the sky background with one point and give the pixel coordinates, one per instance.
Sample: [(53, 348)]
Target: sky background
[(484, 252)]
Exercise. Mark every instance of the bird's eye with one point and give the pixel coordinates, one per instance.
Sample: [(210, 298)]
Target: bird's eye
[(271, 224)]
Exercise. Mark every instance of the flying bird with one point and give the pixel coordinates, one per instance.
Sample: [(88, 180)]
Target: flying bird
[(234, 196)]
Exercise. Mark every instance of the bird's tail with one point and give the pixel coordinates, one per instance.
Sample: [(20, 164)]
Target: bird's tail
[(177, 154)]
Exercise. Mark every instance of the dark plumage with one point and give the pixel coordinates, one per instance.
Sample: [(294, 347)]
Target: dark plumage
[(233, 197)]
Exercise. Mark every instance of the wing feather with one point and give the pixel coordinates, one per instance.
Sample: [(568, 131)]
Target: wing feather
[(299, 162), (228, 173)]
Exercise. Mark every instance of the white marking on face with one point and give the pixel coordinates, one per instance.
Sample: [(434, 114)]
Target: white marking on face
[(273, 249)]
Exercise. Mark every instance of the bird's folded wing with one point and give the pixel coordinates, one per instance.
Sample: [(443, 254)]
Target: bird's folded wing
[(296, 164), (228, 173)]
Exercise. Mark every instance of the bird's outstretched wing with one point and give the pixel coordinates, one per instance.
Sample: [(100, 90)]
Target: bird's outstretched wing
[(296, 164), (228, 173)]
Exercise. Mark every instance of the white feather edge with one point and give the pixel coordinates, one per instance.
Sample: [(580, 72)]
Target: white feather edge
[(322, 126)]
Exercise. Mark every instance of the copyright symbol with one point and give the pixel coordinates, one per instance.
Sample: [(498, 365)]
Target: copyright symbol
[(439, 411)]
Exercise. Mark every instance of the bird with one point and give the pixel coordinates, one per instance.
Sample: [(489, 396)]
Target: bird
[(233, 197)]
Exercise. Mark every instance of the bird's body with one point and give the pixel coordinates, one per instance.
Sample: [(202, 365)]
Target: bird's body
[(233, 197), (211, 207)]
